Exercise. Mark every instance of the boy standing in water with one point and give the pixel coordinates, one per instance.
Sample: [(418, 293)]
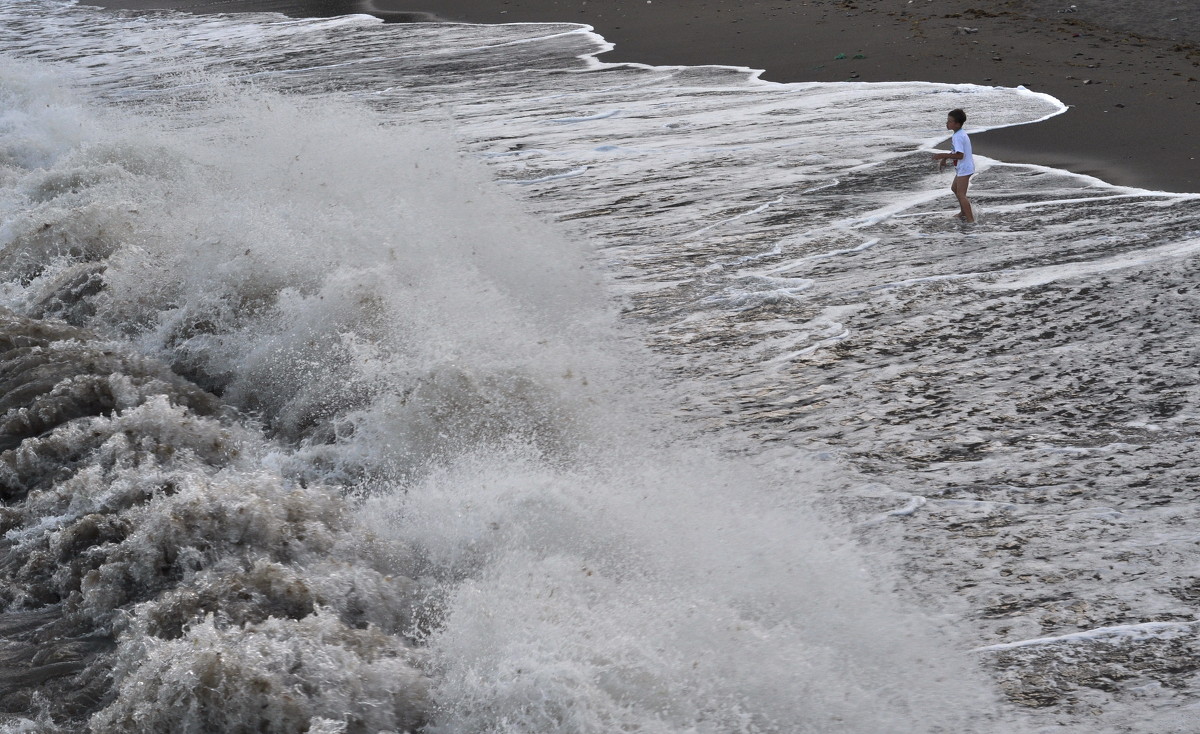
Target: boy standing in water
[(963, 162)]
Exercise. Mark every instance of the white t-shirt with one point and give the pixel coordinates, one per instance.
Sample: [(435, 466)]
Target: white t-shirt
[(962, 144)]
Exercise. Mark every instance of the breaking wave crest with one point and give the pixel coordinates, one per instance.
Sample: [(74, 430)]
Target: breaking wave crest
[(152, 567)]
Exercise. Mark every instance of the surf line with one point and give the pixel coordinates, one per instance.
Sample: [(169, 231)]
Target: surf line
[(1100, 634), (551, 177), (1032, 277), (758, 209)]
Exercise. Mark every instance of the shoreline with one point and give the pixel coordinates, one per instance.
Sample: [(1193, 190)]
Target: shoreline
[(1130, 95)]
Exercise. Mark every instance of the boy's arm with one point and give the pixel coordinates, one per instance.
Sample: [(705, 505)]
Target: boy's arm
[(941, 158)]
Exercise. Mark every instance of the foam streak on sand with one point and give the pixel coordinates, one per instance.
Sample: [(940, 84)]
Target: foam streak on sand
[(1032, 277), (1123, 632)]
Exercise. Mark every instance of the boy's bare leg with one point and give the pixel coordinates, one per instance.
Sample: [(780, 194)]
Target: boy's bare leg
[(959, 187)]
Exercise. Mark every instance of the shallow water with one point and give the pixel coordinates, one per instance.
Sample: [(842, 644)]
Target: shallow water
[(677, 403)]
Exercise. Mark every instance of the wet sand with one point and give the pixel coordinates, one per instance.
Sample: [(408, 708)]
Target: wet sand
[(1128, 71)]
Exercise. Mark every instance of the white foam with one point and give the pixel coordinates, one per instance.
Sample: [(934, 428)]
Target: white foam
[(587, 118), (1016, 280), (1117, 633)]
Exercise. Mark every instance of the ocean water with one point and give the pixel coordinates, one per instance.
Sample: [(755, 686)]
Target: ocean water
[(431, 377)]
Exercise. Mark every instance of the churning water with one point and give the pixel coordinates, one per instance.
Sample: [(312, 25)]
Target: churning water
[(364, 377)]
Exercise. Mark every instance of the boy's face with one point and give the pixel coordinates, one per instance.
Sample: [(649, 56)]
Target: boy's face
[(952, 124)]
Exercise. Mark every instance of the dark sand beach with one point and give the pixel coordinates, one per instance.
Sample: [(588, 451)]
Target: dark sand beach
[(1128, 70)]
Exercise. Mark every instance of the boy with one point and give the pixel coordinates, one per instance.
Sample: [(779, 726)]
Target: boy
[(963, 162)]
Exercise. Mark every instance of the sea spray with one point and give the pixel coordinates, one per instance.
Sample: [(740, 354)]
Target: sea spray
[(665, 590)]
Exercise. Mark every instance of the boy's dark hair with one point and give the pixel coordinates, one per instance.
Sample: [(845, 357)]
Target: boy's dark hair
[(959, 116)]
